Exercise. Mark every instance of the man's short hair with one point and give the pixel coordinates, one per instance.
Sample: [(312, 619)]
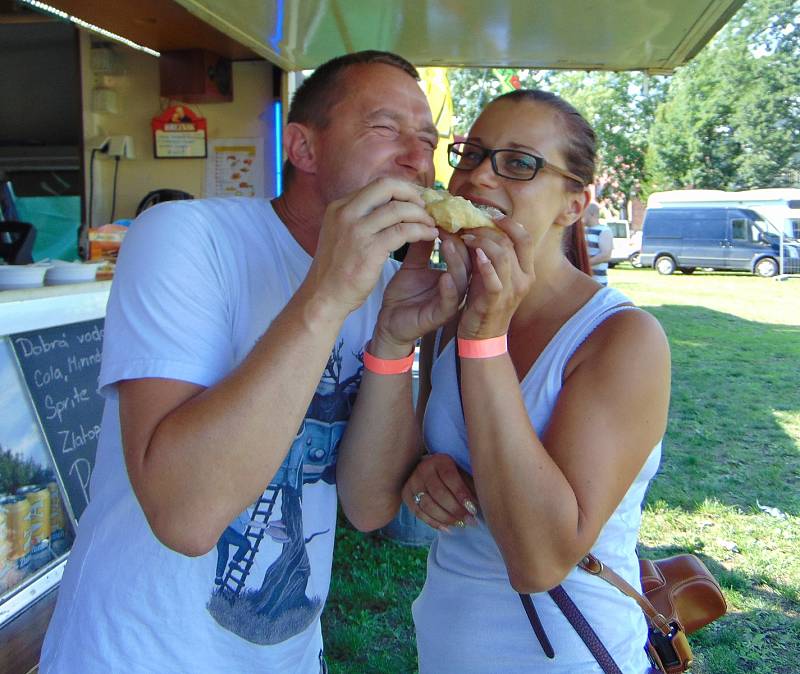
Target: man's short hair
[(593, 209), (592, 213), (324, 88)]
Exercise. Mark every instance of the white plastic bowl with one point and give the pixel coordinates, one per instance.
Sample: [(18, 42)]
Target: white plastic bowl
[(13, 276), (70, 272)]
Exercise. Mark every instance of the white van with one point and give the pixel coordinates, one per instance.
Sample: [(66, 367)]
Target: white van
[(627, 242), (779, 206)]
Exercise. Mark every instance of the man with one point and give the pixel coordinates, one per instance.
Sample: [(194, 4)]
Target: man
[(600, 241), (234, 343)]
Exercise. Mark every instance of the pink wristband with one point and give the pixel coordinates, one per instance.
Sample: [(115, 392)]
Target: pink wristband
[(387, 366), (482, 348)]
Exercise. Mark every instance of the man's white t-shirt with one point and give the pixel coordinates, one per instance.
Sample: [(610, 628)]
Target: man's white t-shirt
[(197, 284)]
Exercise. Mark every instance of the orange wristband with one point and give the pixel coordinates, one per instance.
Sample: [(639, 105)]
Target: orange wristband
[(387, 366), (482, 348)]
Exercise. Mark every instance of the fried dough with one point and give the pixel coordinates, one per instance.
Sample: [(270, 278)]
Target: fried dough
[(456, 213)]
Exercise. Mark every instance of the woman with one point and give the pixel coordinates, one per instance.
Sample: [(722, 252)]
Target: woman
[(550, 452)]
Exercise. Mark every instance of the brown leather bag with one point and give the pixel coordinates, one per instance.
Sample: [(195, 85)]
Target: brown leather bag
[(680, 597), (682, 589)]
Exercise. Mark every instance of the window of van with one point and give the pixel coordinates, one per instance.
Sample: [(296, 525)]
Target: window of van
[(755, 229), (704, 223), (744, 230), (619, 230)]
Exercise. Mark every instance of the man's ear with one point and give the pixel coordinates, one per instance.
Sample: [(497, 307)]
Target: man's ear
[(299, 147), (574, 205)]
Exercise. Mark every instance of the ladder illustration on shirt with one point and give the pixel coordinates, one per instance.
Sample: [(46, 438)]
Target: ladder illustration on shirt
[(237, 572)]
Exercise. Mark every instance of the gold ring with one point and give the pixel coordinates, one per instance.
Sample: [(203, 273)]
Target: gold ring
[(460, 524)]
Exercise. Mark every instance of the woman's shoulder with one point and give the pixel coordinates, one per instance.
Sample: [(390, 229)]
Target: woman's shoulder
[(628, 338)]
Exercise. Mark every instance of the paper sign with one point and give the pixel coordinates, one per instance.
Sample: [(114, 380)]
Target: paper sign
[(235, 168)]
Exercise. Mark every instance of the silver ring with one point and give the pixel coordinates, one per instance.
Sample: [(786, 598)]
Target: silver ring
[(418, 497)]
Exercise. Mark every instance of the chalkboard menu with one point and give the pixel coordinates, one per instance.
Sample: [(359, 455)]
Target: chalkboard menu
[(61, 366)]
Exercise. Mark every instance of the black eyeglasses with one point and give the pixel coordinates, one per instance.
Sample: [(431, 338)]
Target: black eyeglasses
[(507, 163)]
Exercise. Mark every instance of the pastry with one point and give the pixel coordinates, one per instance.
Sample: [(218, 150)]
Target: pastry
[(456, 213)]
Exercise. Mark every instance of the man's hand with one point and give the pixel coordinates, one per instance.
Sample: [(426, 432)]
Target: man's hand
[(419, 299), (358, 234)]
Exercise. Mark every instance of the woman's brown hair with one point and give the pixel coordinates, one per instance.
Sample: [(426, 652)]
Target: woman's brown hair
[(580, 150), (575, 248)]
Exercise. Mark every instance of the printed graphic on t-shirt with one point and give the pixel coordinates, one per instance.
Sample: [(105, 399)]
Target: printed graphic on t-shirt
[(270, 533)]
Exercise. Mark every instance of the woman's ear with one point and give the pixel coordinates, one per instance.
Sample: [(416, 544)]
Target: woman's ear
[(299, 147), (574, 205)]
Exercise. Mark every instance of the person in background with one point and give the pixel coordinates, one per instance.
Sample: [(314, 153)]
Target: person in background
[(531, 463), (234, 349), (600, 241)]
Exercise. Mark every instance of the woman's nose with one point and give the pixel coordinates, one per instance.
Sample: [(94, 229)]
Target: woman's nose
[(483, 173)]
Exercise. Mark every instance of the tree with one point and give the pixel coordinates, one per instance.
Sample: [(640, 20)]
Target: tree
[(731, 119), (473, 88), (619, 106)]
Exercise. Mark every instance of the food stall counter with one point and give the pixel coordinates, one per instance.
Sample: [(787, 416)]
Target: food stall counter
[(50, 353)]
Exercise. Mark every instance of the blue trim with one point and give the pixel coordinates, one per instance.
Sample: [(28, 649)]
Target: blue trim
[(277, 113)]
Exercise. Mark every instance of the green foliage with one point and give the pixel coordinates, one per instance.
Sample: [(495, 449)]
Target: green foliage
[(619, 106), (473, 88), (731, 119)]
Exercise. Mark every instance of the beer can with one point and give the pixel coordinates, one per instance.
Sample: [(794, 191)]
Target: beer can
[(18, 525), (57, 517), (39, 499)]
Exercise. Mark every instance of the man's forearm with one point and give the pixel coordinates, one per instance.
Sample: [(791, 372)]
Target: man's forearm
[(378, 451), (214, 454)]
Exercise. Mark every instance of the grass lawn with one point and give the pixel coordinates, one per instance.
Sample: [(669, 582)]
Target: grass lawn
[(728, 488)]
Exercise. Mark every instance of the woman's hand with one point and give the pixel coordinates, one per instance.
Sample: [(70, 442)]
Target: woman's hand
[(502, 275), (440, 493)]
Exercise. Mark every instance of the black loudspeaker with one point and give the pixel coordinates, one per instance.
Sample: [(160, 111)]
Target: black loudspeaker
[(157, 196), (195, 76)]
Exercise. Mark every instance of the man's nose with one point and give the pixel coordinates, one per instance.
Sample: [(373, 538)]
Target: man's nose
[(417, 154)]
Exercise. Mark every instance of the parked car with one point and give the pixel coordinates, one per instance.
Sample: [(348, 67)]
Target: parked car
[(627, 243), (686, 238)]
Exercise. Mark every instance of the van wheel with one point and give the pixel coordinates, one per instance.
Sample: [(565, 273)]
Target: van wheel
[(766, 267), (664, 265), (688, 270), (635, 260)]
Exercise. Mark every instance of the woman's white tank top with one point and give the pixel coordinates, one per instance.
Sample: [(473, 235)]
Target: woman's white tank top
[(468, 617)]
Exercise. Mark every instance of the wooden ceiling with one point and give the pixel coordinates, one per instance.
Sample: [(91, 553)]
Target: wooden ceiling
[(162, 25)]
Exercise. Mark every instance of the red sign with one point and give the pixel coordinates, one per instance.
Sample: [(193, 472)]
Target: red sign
[(179, 133)]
